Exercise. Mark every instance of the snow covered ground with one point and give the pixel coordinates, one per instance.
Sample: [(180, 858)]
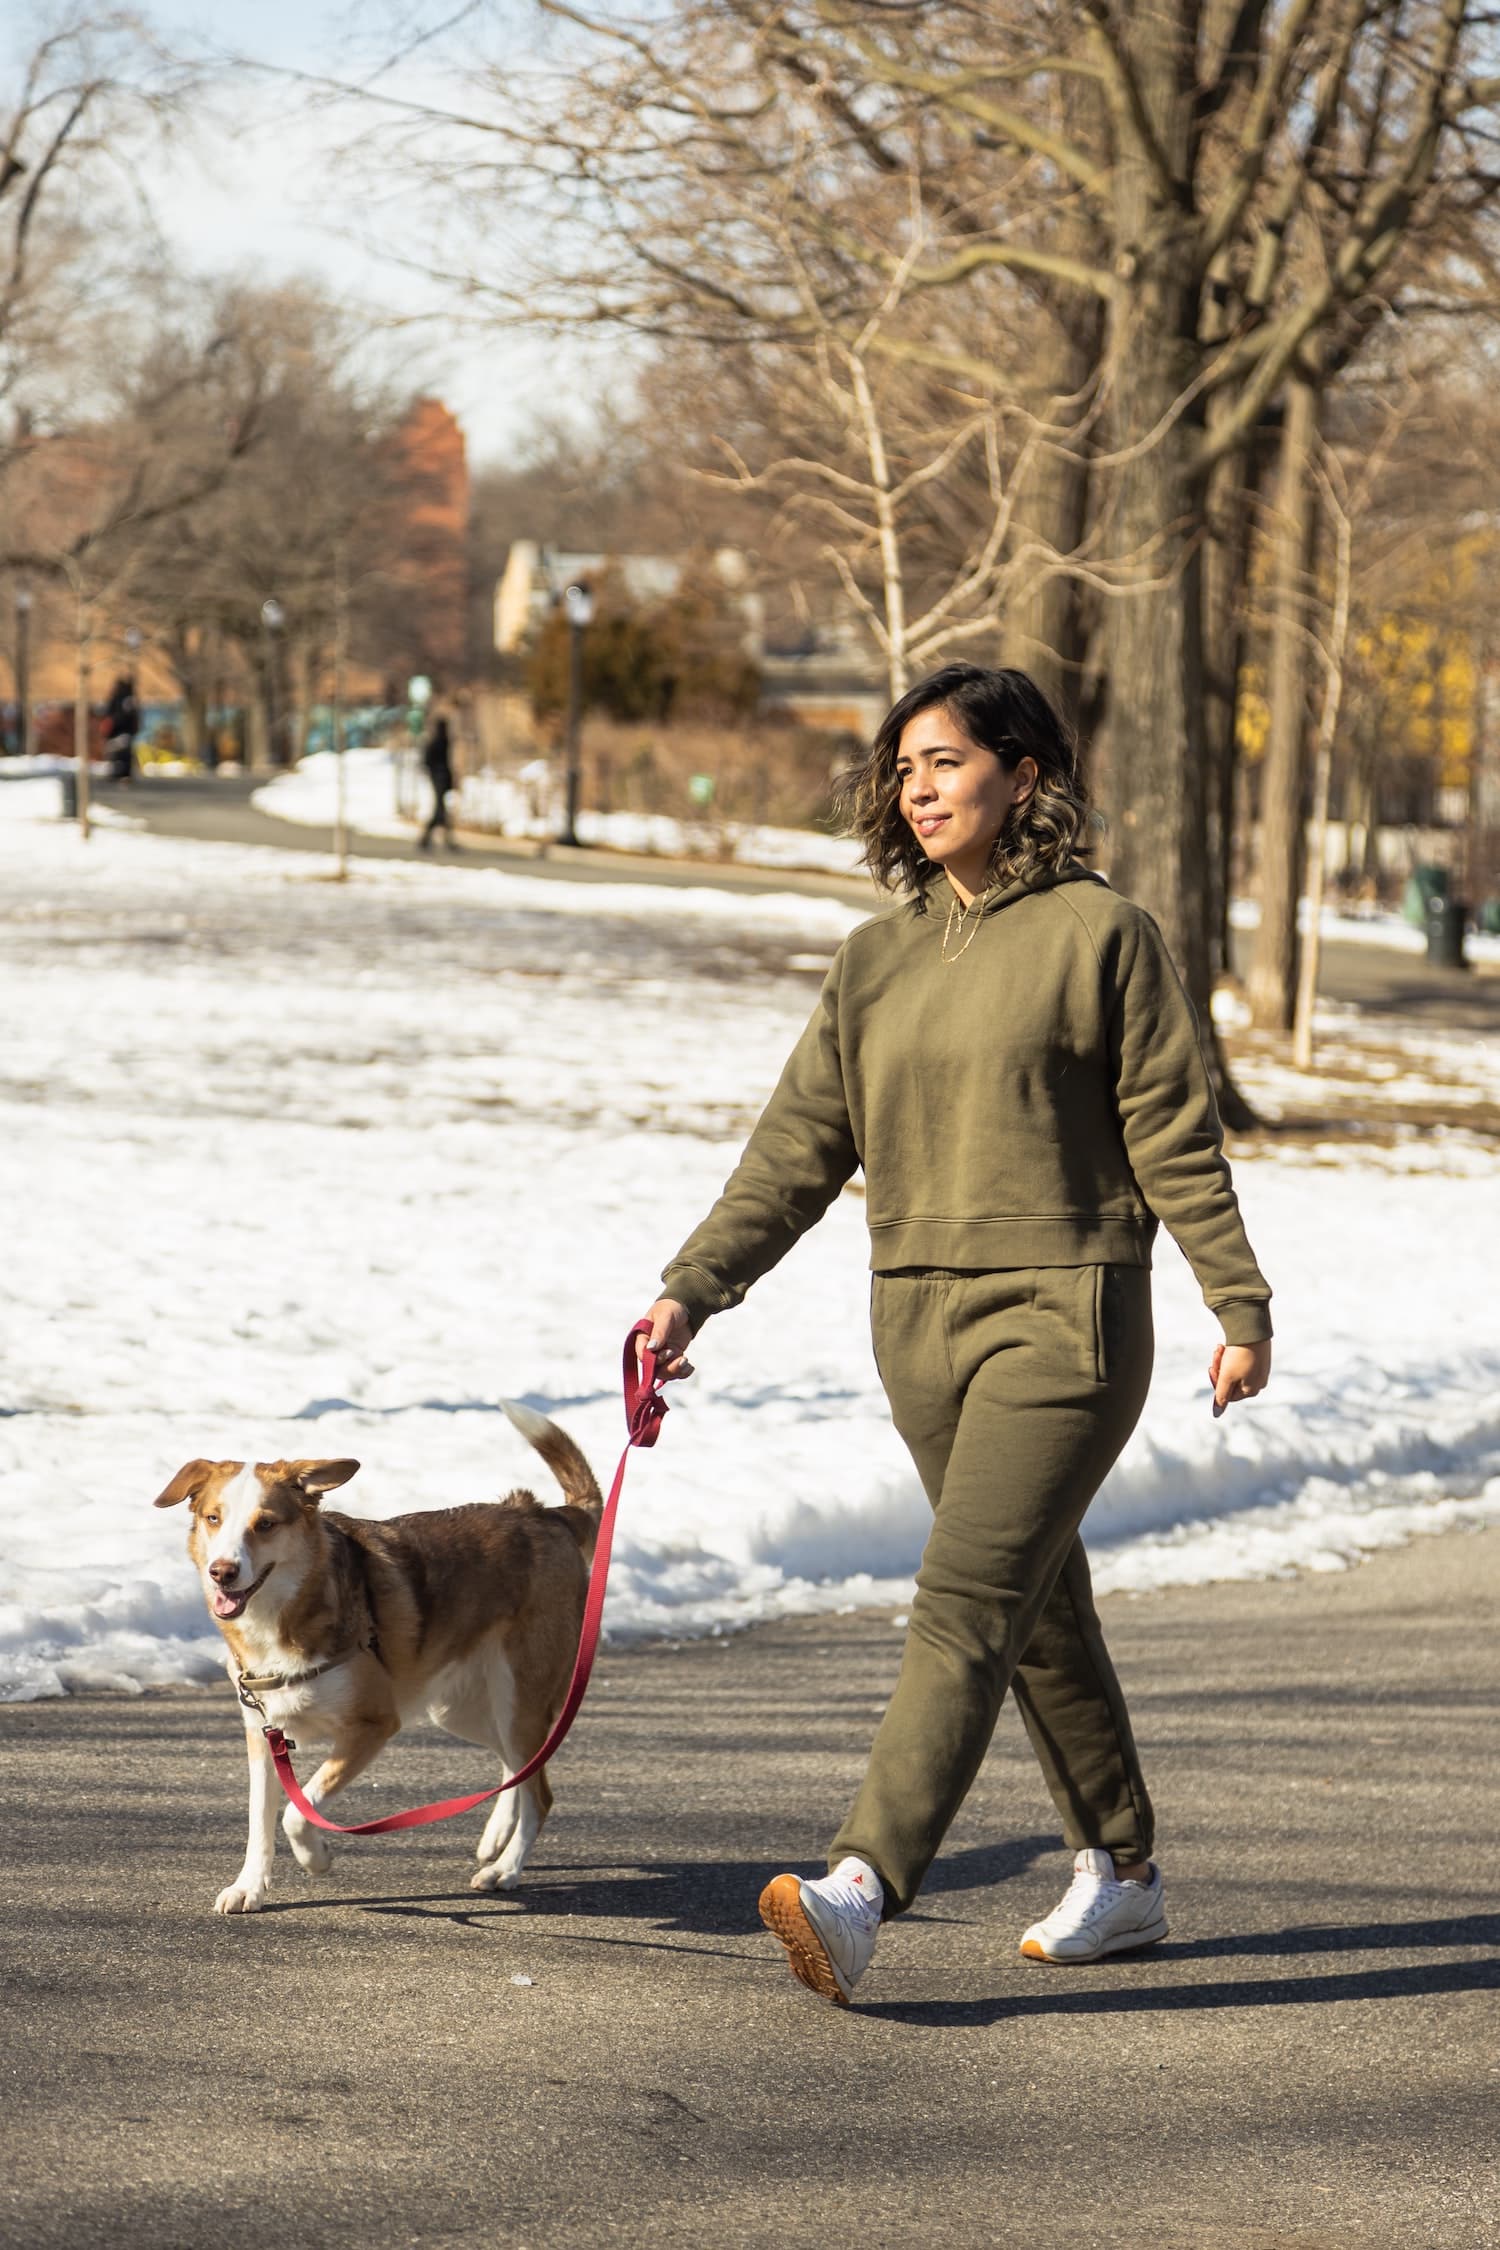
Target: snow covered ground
[(298, 1168)]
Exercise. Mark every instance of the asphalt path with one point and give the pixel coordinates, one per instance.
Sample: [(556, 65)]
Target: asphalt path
[(616, 2055), (218, 810)]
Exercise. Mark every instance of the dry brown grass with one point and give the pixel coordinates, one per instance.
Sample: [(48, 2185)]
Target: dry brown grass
[(762, 772)]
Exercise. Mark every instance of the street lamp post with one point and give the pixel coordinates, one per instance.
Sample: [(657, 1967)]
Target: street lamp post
[(272, 619), (23, 665), (578, 604)]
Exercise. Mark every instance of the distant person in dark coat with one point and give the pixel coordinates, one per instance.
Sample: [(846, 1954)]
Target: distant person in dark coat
[(437, 757), (122, 723)]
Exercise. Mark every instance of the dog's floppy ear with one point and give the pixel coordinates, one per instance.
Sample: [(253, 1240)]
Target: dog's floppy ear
[(187, 1484), (314, 1478)]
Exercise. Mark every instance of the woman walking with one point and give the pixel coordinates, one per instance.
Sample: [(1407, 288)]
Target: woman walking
[(1009, 1055)]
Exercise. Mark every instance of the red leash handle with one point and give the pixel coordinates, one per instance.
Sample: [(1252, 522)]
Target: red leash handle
[(644, 1409)]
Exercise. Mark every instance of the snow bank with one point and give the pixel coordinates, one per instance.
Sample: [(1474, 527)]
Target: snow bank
[(308, 796), (530, 804), (32, 796), (297, 1168)]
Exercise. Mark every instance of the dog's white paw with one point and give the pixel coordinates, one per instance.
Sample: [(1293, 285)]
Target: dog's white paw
[(495, 1878), (310, 1847), (240, 1898)]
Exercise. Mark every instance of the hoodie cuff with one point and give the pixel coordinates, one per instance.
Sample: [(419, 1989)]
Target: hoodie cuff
[(699, 1295), (1247, 1320)]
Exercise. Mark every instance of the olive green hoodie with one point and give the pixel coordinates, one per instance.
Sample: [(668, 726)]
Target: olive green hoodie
[(1038, 1100)]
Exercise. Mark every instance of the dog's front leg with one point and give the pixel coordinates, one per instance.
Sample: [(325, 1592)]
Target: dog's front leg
[(352, 1752), (254, 1879)]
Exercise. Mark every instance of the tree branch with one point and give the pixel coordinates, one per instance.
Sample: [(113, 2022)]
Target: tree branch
[(975, 257), (1267, 108), (1128, 101)]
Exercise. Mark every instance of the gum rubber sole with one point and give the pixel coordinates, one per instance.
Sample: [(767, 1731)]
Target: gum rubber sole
[(1128, 1941), (781, 1911)]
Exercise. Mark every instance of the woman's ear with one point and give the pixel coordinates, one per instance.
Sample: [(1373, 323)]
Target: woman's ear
[(1028, 774)]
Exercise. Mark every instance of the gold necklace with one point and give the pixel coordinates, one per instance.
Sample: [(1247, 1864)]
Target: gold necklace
[(949, 928)]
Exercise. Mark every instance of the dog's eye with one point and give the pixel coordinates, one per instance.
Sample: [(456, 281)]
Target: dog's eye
[(212, 1522), (264, 1524)]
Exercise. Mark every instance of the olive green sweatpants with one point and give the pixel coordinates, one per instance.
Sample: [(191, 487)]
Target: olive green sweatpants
[(1015, 1393)]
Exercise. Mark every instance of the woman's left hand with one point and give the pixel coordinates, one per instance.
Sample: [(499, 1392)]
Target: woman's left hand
[(1238, 1371)]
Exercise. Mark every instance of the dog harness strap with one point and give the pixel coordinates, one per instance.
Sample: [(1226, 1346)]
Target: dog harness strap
[(644, 1409)]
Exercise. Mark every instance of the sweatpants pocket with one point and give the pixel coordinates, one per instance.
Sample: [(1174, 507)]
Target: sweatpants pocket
[(1090, 1301), (1068, 1298), (1097, 1275), (1109, 1321)]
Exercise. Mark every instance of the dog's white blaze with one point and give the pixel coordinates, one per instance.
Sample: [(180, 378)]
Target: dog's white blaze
[(237, 1504)]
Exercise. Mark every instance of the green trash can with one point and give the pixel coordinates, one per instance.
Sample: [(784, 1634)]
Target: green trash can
[(1446, 918), (1488, 917), (1423, 885), (69, 785)]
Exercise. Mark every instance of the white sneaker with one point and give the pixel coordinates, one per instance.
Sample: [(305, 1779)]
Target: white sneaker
[(828, 1927), (1098, 1914)]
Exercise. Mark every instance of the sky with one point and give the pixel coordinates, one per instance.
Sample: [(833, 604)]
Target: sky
[(268, 197)]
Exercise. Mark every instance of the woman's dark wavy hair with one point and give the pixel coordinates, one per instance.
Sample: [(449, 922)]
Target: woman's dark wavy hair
[(1004, 711)]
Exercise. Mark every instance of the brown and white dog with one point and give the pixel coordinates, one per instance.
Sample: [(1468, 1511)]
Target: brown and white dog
[(345, 1630)]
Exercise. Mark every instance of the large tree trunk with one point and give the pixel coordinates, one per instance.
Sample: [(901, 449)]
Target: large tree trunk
[(1042, 628), (1157, 748), (1045, 627), (187, 669), (1272, 982), (1230, 507), (194, 727), (1158, 745)]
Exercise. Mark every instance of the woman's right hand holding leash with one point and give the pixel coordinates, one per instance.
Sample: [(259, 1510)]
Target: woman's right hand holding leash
[(669, 1339)]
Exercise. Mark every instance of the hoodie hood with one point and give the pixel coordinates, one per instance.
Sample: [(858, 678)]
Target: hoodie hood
[(1006, 894)]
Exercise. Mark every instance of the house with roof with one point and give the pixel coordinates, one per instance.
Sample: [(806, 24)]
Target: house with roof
[(823, 675)]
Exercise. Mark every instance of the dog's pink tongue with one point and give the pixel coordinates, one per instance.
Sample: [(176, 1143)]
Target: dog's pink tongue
[(224, 1605)]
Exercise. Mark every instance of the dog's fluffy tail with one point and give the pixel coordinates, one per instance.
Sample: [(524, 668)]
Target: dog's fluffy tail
[(561, 1456)]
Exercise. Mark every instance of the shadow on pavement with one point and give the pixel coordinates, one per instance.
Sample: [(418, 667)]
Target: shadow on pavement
[(700, 1898), (1421, 1980), (1352, 1937)]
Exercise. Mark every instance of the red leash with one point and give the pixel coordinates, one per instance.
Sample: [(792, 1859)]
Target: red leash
[(644, 1408)]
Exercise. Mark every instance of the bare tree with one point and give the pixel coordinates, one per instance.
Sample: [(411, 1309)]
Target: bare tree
[(321, 503), (875, 446), (94, 86), (88, 504), (1212, 193)]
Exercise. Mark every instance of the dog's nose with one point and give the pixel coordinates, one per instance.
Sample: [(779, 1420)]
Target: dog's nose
[(222, 1572)]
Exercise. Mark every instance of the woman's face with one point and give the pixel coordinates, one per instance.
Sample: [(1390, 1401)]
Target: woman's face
[(955, 795)]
